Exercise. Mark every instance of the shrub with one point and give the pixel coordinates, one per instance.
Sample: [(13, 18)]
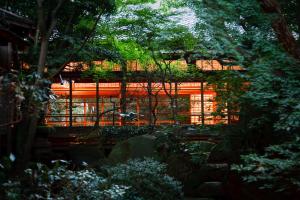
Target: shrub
[(60, 182), (199, 151), (136, 180), (123, 132), (145, 179), (277, 169)]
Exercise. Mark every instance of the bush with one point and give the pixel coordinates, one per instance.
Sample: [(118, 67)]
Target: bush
[(123, 132), (199, 151), (146, 179), (136, 180), (277, 169), (60, 182)]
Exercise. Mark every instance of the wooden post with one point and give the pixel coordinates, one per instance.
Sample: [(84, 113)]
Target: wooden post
[(97, 103), (176, 102), (84, 112), (102, 110), (70, 103), (138, 111), (114, 107), (202, 103), (66, 116), (228, 105)]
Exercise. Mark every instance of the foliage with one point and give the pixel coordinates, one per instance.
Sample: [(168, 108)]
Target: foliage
[(61, 32), (60, 182), (11, 98), (6, 164), (135, 31), (277, 168), (69, 30), (169, 140), (173, 140), (246, 35), (138, 179), (275, 90), (230, 87), (36, 90), (146, 179), (100, 72), (241, 31), (199, 151), (10, 83), (123, 132), (30, 91)]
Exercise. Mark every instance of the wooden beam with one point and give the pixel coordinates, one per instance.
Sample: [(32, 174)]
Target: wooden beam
[(97, 103)]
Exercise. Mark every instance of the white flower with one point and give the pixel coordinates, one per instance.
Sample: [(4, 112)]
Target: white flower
[(12, 157)]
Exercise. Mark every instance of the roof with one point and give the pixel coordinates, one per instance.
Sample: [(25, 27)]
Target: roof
[(15, 29), (13, 19)]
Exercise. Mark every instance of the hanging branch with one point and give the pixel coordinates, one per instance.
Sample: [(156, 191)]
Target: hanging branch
[(87, 38)]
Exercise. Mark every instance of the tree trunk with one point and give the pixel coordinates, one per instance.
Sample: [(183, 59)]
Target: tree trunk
[(43, 56), (154, 109), (27, 132), (281, 28), (172, 103), (25, 153)]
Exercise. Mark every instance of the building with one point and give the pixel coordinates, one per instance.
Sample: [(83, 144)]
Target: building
[(81, 101), (15, 38), (16, 34)]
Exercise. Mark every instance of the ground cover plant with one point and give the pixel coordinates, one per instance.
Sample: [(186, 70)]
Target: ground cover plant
[(136, 179)]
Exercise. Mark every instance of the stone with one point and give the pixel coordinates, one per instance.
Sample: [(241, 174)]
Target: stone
[(133, 148), (211, 189)]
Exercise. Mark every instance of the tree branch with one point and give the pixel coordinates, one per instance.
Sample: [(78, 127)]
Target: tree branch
[(41, 17), (54, 17), (71, 57)]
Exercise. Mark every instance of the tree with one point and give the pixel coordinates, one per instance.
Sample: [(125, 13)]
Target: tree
[(150, 36), (260, 36), (280, 25), (61, 25)]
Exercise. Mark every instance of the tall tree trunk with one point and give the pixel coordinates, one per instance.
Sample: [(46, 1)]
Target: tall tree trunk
[(281, 28), (154, 109), (27, 132), (34, 116), (43, 56), (27, 129), (171, 97)]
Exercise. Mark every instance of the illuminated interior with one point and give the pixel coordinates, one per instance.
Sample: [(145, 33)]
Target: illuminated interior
[(83, 109)]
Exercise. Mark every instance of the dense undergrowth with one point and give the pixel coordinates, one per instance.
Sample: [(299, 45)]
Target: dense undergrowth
[(136, 179)]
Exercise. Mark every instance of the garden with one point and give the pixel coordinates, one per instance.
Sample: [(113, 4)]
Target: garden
[(149, 99)]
